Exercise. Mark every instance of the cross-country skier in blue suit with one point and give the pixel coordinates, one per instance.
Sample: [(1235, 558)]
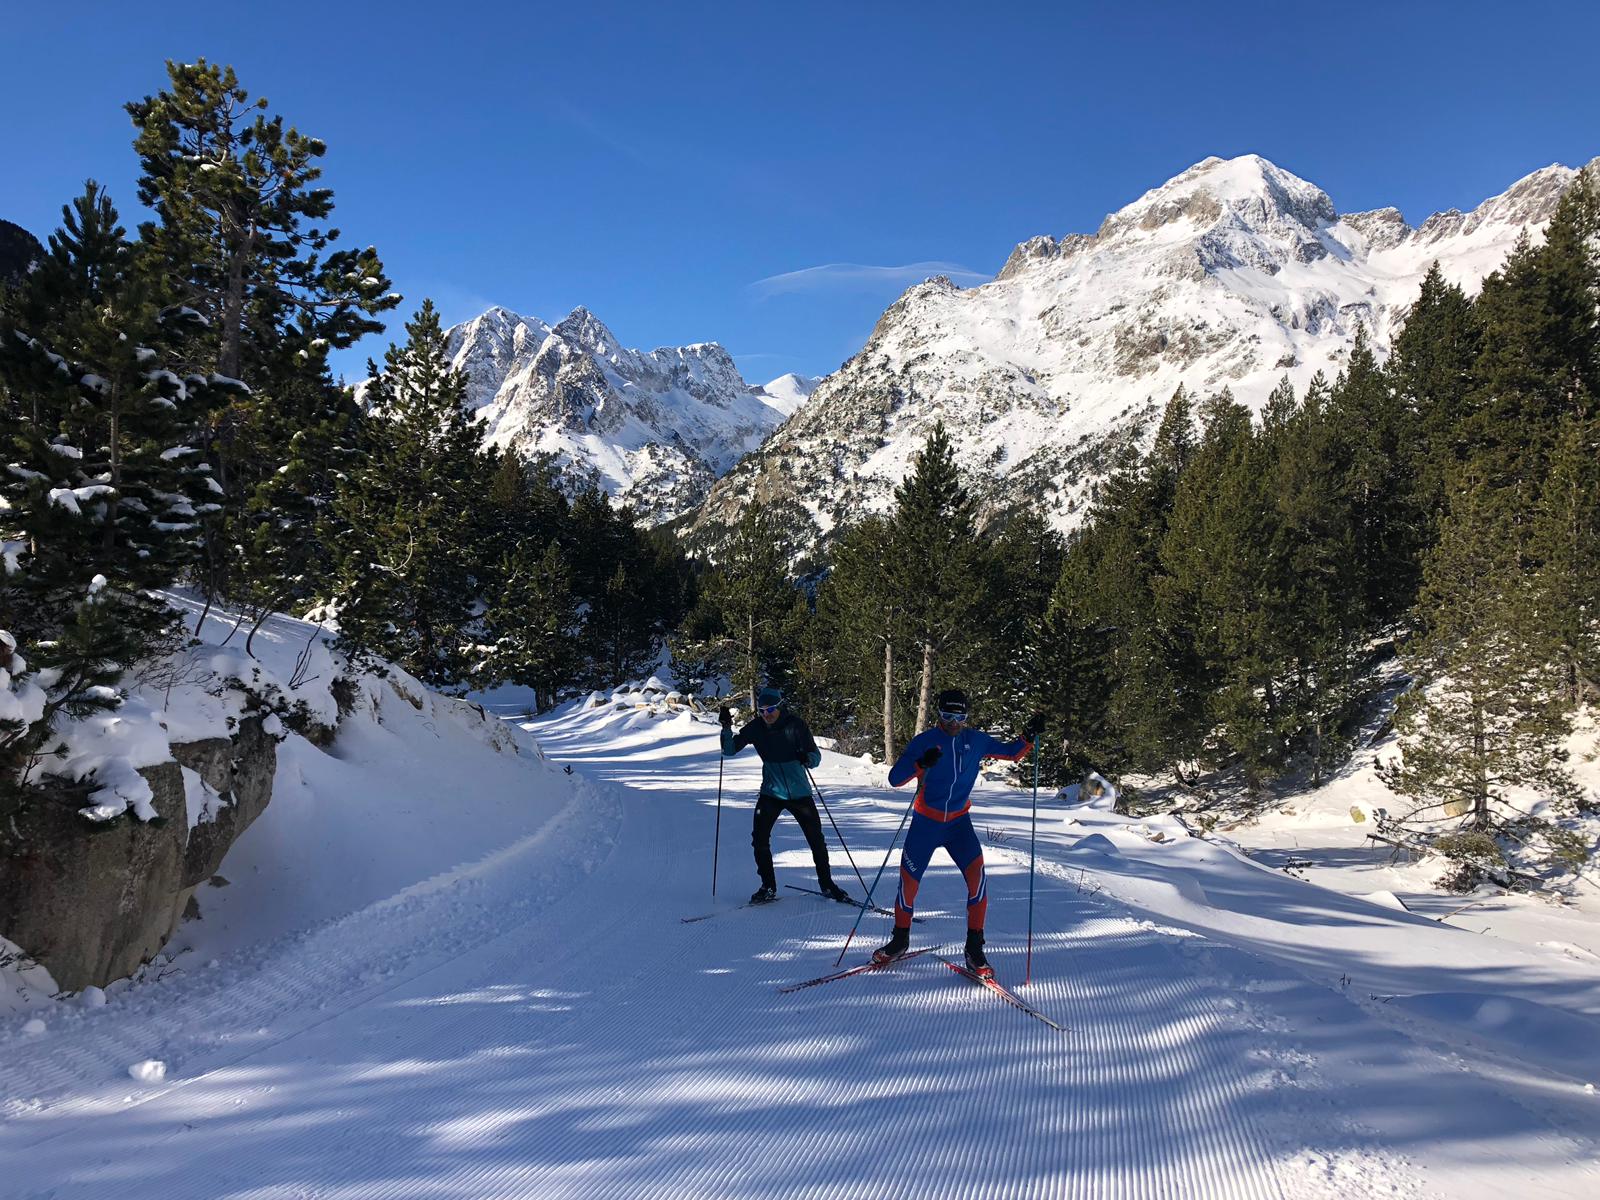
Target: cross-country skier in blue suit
[(945, 760)]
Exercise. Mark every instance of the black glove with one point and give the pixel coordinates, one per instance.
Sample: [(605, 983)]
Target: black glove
[(930, 756), (725, 715), (1034, 727)]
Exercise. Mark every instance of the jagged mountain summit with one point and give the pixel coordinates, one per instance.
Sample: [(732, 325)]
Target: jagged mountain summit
[(1232, 274), (653, 429)]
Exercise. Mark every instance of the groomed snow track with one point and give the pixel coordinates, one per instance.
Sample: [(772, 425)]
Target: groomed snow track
[(590, 1045)]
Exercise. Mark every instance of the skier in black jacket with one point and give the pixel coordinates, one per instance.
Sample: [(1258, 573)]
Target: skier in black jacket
[(787, 749)]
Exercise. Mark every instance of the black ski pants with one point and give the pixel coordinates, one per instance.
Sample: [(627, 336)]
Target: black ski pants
[(768, 808)]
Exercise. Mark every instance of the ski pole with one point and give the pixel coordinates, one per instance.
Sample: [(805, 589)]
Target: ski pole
[(875, 879), (836, 830), (716, 838), (1033, 833)]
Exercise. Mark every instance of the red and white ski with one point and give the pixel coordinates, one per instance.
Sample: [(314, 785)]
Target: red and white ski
[(1000, 990), (858, 969)]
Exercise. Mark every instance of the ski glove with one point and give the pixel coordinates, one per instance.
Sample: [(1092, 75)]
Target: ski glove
[(1034, 727), (725, 715), (930, 756)]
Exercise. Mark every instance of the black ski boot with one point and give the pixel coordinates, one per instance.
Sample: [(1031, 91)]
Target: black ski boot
[(833, 891), (765, 894), (894, 947), (977, 963)]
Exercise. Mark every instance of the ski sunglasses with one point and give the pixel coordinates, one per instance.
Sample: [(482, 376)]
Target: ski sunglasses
[(955, 718), (769, 708)]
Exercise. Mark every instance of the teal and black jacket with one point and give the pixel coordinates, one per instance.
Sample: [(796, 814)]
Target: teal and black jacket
[(786, 749)]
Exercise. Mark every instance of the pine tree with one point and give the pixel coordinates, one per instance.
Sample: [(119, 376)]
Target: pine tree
[(860, 625), (1215, 555), (239, 233), (533, 623), (240, 243), (1373, 423), (760, 611), (1485, 713), (1431, 371), (1566, 543), (103, 492), (936, 565), (406, 584), (1319, 609)]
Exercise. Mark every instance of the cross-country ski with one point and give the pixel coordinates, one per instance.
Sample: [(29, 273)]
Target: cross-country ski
[(999, 989), (871, 964)]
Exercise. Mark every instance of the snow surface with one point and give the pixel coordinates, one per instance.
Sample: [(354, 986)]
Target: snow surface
[(502, 1001)]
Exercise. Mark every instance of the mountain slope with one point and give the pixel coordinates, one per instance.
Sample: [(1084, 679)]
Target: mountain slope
[(653, 429), (1232, 274)]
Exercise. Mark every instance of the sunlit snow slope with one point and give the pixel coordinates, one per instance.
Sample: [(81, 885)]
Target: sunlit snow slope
[(545, 1025)]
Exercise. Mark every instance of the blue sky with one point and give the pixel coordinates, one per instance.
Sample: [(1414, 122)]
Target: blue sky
[(772, 176)]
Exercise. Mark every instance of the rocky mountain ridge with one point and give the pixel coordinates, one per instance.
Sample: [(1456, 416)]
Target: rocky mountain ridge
[(1231, 274), (654, 429)]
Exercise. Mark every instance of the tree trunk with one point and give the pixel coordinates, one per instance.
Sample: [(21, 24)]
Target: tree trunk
[(925, 696), (1480, 802), (888, 701), (109, 535), (750, 656)]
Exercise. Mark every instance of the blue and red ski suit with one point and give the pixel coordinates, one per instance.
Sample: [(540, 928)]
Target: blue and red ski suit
[(940, 813)]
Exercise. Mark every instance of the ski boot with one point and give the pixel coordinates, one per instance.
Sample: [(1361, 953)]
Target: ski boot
[(977, 963), (833, 891), (894, 947), (765, 894)]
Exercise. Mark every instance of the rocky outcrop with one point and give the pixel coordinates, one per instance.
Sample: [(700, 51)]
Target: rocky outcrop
[(239, 771), (93, 903)]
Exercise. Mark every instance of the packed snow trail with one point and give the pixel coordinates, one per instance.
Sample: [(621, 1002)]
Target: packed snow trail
[(561, 1033)]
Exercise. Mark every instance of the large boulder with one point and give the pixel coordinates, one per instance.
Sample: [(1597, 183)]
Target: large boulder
[(92, 903)]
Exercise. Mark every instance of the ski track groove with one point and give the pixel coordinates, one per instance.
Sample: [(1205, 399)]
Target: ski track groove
[(555, 1053)]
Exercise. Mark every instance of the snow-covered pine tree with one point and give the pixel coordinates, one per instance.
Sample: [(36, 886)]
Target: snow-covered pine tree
[(104, 489), (240, 238), (239, 231)]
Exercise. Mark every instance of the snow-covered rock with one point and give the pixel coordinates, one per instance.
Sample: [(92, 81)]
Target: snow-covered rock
[(1232, 274), (653, 429)]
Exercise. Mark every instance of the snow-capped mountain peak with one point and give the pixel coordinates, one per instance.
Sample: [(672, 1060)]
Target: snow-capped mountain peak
[(653, 429), (1233, 273)]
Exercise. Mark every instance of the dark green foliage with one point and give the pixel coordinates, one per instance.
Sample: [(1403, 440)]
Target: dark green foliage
[(936, 565), (533, 623), (759, 612), (240, 230), (406, 582), (1486, 713), (1431, 369), (19, 251)]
